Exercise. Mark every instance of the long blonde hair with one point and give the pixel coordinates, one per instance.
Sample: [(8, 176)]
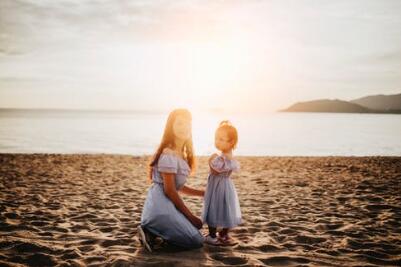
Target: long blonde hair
[(168, 140)]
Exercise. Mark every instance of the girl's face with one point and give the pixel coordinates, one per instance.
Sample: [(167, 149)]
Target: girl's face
[(222, 142), (182, 127)]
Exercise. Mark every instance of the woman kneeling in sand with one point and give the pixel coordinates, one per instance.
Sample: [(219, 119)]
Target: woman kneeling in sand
[(164, 213)]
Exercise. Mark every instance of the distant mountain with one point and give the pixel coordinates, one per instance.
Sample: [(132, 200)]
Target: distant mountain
[(369, 104), (380, 102), (327, 105)]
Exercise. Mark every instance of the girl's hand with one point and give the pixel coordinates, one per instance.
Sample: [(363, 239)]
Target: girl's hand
[(196, 222), (212, 171)]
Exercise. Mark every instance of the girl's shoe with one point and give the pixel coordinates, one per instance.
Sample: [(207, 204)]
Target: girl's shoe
[(227, 241), (144, 238), (212, 241)]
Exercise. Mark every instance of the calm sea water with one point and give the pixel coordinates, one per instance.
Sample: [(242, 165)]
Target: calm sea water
[(275, 134)]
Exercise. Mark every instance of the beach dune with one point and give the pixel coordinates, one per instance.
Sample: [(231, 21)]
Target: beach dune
[(80, 210)]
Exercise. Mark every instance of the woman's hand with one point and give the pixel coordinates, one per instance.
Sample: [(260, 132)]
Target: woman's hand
[(196, 222), (202, 193), (191, 191)]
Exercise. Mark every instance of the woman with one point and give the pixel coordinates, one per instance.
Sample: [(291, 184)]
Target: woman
[(164, 213)]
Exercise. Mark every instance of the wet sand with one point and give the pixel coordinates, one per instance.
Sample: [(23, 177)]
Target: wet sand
[(82, 210)]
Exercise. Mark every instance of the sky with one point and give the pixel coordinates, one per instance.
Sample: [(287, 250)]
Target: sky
[(233, 55)]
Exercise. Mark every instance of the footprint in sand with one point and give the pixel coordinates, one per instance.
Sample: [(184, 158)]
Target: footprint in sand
[(230, 260), (284, 261)]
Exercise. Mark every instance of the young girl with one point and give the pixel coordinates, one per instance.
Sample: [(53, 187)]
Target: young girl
[(221, 206)]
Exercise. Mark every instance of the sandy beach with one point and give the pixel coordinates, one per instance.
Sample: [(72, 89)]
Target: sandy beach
[(82, 210)]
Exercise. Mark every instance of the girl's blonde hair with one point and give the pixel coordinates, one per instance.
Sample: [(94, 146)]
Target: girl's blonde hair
[(230, 130), (168, 141)]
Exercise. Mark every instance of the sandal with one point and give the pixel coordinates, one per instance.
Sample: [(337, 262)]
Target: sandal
[(214, 241), (227, 241), (144, 238)]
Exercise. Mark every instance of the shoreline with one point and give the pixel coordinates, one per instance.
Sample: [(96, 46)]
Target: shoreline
[(197, 156)]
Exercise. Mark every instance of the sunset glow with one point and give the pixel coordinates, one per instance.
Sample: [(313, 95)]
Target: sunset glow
[(257, 56)]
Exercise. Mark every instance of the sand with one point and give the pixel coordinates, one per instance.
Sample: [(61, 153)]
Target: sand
[(82, 210)]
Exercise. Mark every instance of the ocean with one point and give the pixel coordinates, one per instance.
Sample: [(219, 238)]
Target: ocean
[(139, 133)]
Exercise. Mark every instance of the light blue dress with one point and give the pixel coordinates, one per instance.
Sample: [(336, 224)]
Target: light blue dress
[(221, 205), (159, 214)]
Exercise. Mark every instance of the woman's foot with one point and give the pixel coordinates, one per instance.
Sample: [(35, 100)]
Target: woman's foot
[(212, 240), (144, 238)]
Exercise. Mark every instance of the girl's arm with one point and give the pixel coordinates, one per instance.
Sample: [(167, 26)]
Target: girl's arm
[(172, 194), (212, 157), (192, 191)]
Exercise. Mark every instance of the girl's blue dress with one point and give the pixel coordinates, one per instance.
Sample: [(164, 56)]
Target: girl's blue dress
[(159, 214), (221, 205)]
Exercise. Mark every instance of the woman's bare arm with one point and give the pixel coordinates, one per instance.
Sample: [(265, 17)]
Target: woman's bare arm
[(172, 194), (192, 191)]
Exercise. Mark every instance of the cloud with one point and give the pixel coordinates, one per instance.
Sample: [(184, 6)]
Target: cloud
[(43, 23), (390, 57), (309, 46)]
